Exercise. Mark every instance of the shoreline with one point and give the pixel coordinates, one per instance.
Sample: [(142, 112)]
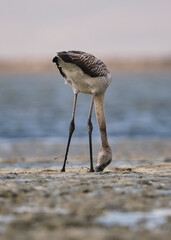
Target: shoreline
[(117, 64), (123, 149), (130, 200), (124, 202)]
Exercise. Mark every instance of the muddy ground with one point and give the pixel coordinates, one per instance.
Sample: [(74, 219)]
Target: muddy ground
[(130, 200)]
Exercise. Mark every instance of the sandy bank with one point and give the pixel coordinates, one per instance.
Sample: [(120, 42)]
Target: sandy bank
[(129, 201)]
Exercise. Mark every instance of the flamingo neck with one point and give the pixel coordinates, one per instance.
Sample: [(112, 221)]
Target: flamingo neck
[(100, 115)]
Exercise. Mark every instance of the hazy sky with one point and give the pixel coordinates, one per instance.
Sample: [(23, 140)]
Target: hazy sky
[(39, 28)]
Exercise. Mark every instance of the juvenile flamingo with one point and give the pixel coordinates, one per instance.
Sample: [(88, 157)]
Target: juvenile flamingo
[(87, 74)]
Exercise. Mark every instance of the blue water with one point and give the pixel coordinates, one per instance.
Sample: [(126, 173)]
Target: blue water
[(40, 106)]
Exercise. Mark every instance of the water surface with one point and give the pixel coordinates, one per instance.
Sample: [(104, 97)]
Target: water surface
[(39, 105)]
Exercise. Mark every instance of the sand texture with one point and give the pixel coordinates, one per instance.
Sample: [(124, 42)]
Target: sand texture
[(130, 200)]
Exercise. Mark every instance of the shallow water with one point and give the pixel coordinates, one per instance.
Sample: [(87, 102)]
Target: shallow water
[(27, 209), (55, 164), (40, 106), (150, 220)]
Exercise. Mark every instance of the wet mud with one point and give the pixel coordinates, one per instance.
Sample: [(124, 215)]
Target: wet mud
[(129, 200)]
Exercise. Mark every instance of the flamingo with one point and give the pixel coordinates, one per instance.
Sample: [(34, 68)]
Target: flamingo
[(87, 74)]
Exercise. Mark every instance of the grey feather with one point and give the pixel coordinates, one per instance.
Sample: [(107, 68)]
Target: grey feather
[(87, 62)]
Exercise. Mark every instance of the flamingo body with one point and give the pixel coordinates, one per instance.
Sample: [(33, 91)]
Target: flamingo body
[(87, 74), (83, 72)]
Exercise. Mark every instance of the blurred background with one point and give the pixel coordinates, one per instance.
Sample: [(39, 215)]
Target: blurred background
[(132, 37)]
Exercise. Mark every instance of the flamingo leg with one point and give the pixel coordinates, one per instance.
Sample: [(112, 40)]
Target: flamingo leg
[(90, 129), (71, 130)]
